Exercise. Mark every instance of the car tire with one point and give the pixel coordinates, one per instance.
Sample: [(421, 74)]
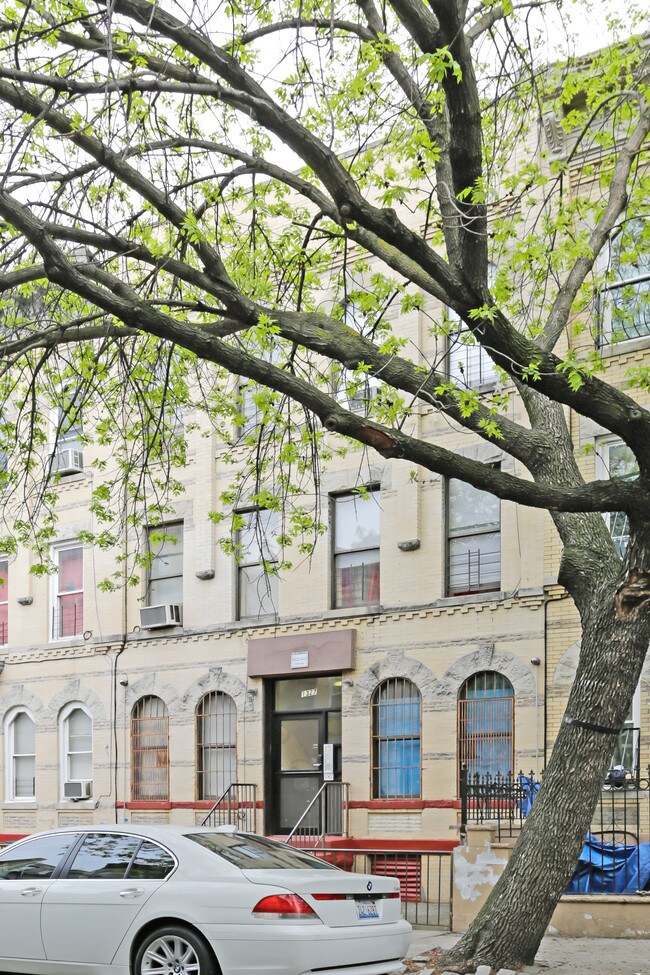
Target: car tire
[(174, 949)]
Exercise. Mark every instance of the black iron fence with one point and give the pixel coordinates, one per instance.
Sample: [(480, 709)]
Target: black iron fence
[(616, 855), (501, 799)]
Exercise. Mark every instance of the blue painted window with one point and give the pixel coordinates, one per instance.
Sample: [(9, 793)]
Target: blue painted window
[(396, 729)]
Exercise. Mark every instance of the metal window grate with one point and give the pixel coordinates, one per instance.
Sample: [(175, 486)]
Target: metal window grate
[(149, 749), (396, 732), (216, 758), (486, 724)]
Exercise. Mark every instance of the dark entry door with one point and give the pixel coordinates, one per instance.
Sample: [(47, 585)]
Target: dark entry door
[(306, 718), (299, 745)]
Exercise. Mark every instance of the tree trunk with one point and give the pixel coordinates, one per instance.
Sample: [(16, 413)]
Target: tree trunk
[(507, 931)]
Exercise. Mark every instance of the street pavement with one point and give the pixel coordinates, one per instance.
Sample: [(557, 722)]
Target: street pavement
[(556, 956)]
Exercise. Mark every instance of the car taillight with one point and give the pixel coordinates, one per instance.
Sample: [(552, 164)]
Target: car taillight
[(284, 907), (329, 897)]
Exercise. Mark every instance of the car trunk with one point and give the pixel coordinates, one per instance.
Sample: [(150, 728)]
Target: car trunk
[(339, 899)]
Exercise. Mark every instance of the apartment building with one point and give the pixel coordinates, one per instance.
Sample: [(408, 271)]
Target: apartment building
[(427, 630)]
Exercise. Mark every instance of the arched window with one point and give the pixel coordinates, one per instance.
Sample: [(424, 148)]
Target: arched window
[(396, 740), (20, 739), (486, 724), (76, 748), (149, 749), (216, 754)]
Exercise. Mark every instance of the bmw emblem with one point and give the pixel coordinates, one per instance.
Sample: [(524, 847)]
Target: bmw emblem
[(369, 885)]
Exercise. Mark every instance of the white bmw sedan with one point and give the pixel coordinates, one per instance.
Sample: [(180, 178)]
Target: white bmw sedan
[(132, 900)]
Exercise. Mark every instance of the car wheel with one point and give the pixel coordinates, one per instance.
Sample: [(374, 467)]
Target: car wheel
[(174, 950)]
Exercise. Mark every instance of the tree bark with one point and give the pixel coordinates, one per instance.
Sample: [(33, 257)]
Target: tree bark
[(508, 930)]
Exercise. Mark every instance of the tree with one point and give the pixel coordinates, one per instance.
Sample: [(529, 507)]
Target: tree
[(261, 190)]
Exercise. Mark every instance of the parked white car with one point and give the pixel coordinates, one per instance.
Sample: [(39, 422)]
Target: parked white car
[(131, 900)]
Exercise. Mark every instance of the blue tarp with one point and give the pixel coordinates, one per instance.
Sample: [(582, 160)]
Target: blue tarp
[(611, 868)]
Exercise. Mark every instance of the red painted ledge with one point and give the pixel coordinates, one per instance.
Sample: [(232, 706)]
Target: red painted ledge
[(404, 804)]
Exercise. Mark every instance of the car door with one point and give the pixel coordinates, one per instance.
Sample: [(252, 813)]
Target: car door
[(87, 911), (26, 871)]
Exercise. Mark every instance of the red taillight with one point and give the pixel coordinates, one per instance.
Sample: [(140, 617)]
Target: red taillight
[(393, 896), (283, 906), (329, 897)]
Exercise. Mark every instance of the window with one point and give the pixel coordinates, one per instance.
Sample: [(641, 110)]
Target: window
[(149, 749), (68, 601), (37, 858), (470, 366), (396, 740), (165, 575), (68, 437), (486, 724), (355, 392), (4, 601), (615, 459), (216, 729), (151, 863), (20, 737), (356, 549), (625, 301), (257, 584), (474, 540), (77, 744), (103, 856), (625, 761)]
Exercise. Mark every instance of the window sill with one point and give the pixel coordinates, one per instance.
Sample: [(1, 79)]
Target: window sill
[(13, 804), (624, 346), (344, 611)]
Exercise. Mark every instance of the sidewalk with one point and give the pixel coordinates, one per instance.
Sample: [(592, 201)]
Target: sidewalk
[(559, 956)]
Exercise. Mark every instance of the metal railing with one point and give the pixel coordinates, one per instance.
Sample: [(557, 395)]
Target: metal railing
[(326, 815), (237, 806), (503, 799), (617, 845), (424, 878)]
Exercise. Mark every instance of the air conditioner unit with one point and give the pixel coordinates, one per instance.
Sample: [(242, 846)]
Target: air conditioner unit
[(78, 790), (156, 617), (68, 461)]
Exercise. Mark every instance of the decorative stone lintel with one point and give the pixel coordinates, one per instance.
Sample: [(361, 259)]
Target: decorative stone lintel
[(412, 545)]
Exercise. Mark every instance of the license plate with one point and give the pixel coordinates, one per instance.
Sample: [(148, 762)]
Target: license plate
[(366, 909)]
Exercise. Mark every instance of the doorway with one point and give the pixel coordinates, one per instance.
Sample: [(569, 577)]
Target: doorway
[(303, 748)]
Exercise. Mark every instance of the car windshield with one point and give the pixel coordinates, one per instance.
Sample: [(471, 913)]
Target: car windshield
[(256, 853)]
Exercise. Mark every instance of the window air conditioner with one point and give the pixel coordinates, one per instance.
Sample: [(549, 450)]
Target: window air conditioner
[(156, 617), (78, 790), (68, 461)]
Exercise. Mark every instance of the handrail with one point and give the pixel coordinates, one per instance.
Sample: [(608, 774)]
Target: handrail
[(332, 815), (237, 804)]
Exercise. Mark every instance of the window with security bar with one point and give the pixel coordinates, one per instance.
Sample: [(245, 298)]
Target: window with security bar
[(486, 738), (474, 540), (357, 519), (396, 736), (216, 760), (149, 749), (68, 597)]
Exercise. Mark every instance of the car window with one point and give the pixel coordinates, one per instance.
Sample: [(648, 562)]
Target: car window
[(250, 852), (104, 856), (151, 863), (37, 858)]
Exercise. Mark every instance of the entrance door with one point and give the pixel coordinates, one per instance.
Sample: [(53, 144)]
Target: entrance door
[(305, 745), (299, 743)]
